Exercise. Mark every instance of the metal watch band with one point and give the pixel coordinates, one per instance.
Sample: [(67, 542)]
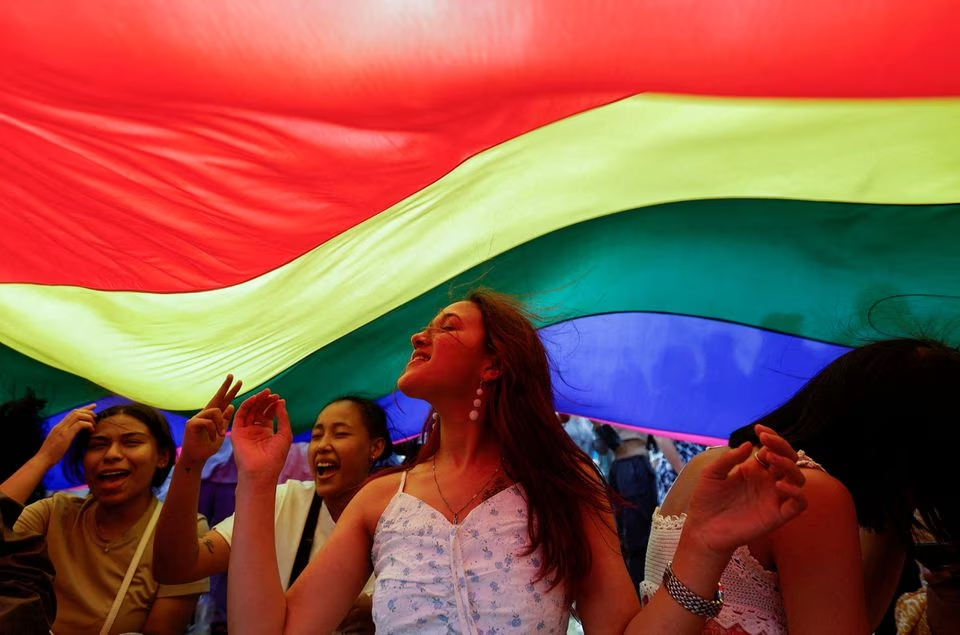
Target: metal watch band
[(688, 599)]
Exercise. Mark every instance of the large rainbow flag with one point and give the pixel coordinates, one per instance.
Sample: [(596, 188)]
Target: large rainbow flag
[(706, 201)]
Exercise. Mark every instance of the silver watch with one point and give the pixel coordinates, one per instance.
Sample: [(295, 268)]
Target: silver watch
[(688, 599)]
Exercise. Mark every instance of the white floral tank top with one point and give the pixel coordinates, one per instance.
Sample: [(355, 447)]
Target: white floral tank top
[(437, 577)]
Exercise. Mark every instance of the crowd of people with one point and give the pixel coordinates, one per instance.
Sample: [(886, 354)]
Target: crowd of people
[(807, 518)]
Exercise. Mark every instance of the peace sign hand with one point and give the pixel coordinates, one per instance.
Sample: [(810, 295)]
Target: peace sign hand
[(204, 433), (227, 392)]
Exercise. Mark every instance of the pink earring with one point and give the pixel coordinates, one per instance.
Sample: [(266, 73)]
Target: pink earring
[(475, 413)]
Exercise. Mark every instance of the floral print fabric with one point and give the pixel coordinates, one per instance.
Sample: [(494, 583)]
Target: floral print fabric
[(437, 577)]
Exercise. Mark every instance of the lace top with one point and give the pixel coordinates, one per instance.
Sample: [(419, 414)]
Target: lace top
[(437, 577), (752, 602)]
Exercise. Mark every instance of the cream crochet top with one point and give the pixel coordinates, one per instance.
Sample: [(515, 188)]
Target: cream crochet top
[(751, 594)]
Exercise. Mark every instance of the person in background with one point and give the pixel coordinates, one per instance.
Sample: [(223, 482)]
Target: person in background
[(582, 432), (21, 421), (218, 482), (632, 478), (668, 456), (28, 603), (934, 609), (348, 438), (101, 544)]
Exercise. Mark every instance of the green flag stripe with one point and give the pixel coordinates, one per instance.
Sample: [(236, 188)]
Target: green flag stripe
[(171, 349), (803, 268), (806, 268)]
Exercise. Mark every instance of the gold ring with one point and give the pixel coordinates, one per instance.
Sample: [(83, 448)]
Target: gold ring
[(756, 457)]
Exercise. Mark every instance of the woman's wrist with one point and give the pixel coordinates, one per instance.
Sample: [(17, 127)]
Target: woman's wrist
[(190, 465), (698, 564), (42, 462), (688, 599), (697, 537), (257, 481)]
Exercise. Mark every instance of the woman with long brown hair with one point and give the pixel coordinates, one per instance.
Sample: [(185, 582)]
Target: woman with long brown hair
[(502, 523)]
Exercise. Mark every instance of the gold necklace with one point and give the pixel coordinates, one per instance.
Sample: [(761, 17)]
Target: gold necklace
[(456, 514)]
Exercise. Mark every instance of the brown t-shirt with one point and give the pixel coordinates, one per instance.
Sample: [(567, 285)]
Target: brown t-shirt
[(90, 570)]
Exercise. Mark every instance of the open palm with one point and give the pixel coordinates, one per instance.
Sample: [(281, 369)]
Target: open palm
[(260, 451)]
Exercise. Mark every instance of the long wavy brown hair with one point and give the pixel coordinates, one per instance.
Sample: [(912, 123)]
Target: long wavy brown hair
[(564, 488)]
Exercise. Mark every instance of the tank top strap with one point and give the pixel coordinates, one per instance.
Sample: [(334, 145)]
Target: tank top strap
[(805, 461), (403, 480)]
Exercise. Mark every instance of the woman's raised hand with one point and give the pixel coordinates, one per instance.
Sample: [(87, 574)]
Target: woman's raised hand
[(740, 497), (205, 431), (261, 452), (62, 435), (25, 480)]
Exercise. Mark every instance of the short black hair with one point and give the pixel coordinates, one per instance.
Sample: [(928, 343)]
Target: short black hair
[(374, 419)]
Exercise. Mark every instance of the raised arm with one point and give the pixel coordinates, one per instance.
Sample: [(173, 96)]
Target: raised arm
[(170, 616), (255, 597), (178, 555), (328, 587), (670, 453), (608, 601), (737, 499), (605, 437), (24, 481)]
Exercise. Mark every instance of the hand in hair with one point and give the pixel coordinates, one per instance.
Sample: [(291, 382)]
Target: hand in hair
[(261, 452), (738, 499), (205, 431), (62, 435)]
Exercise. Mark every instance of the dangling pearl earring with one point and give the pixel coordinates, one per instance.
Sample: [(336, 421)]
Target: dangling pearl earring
[(475, 413), (436, 418)]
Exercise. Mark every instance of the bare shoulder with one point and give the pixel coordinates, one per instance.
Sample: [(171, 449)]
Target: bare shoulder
[(373, 498), (830, 512), (386, 485), (826, 495)]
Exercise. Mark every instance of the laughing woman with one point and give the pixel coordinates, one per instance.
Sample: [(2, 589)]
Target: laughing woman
[(97, 542), (349, 436), (502, 523)]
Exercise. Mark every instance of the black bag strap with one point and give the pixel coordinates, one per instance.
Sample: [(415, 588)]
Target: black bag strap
[(306, 540)]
